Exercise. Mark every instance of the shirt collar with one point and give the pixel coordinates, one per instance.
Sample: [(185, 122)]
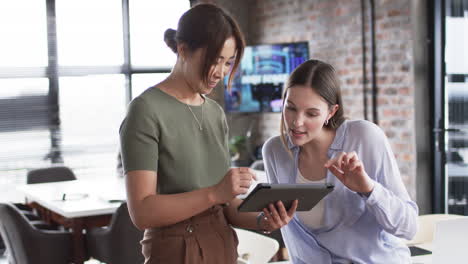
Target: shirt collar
[(338, 142), (291, 146)]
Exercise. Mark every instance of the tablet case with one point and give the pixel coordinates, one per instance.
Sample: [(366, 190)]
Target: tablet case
[(264, 194)]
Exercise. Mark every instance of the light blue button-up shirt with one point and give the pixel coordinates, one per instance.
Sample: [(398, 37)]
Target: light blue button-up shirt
[(356, 229)]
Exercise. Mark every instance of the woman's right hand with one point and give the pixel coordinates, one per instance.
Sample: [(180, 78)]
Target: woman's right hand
[(236, 181)]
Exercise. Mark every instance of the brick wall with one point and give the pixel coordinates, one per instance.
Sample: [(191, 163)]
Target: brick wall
[(333, 30)]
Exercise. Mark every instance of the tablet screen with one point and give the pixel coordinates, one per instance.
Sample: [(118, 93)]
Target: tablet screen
[(264, 194)]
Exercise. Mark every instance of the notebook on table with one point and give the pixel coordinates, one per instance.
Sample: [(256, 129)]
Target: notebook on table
[(449, 244)]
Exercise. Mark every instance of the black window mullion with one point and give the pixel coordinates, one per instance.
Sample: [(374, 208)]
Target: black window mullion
[(52, 73), (438, 135), (126, 45)]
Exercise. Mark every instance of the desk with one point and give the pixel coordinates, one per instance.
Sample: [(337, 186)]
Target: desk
[(86, 205)]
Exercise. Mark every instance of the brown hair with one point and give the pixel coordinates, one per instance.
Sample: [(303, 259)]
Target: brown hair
[(323, 79), (207, 26)]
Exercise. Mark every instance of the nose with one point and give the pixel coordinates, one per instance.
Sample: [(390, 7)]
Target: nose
[(298, 120), (220, 71)]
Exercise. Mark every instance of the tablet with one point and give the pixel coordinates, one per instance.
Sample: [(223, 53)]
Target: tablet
[(264, 194)]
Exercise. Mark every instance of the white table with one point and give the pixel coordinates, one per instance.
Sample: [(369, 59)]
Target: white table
[(86, 204), (78, 204), (82, 197)]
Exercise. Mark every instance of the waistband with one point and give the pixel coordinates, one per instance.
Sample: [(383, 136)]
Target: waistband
[(208, 217)]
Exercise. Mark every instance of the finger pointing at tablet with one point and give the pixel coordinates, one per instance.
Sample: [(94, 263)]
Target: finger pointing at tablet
[(236, 181)]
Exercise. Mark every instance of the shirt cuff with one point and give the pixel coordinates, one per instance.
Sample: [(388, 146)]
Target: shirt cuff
[(375, 196)]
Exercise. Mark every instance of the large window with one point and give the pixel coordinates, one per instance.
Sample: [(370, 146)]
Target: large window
[(89, 33), (456, 106), (89, 126), (147, 46), (67, 72), (450, 106), (24, 34)]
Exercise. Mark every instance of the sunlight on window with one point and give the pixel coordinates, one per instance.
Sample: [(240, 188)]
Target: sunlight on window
[(456, 52), (23, 27), (148, 21), (89, 32), (91, 110), (24, 136), (141, 82), (23, 87)]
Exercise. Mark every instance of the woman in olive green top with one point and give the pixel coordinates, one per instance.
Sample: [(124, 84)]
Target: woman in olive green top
[(175, 154)]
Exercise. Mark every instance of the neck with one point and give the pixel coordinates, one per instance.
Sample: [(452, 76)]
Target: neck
[(176, 84), (320, 145)]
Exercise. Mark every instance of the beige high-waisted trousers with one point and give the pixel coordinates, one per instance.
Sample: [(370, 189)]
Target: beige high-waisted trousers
[(205, 238)]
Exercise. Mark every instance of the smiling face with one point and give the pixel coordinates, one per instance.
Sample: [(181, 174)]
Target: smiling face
[(194, 62), (305, 113)]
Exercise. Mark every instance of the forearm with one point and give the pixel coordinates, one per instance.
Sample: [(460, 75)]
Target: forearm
[(166, 209), (395, 215), (240, 219)]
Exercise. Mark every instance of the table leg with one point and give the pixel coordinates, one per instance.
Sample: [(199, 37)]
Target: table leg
[(79, 253)]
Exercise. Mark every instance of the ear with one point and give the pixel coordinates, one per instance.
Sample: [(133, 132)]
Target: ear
[(333, 111), (182, 51)]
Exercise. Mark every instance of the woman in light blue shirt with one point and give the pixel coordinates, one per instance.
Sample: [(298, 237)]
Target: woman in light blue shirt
[(368, 212)]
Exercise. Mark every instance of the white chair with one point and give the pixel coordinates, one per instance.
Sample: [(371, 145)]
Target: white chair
[(426, 229), (255, 248)]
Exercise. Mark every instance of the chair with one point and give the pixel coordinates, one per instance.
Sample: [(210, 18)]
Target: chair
[(27, 211), (255, 248), (26, 244), (51, 174), (119, 243), (426, 229)]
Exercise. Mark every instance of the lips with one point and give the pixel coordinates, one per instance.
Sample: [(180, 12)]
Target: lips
[(212, 83), (297, 133)]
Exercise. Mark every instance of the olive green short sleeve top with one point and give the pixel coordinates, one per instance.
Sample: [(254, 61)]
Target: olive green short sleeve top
[(161, 134)]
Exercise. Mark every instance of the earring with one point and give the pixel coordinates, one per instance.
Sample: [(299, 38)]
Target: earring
[(326, 122)]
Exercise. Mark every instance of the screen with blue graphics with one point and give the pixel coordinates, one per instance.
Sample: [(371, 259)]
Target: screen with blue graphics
[(259, 81)]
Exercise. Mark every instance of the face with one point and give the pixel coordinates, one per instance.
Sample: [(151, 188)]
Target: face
[(194, 62), (305, 113)]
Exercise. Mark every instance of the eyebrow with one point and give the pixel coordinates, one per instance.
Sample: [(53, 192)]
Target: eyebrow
[(313, 108), (222, 57)]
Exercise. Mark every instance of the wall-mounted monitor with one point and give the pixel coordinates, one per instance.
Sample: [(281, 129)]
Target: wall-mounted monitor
[(259, 81)]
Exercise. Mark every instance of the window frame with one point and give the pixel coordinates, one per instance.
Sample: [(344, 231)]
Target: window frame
[(53, 72)]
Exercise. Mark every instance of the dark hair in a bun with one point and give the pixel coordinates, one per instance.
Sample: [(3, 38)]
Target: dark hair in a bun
[(207, 26), (170, 39)]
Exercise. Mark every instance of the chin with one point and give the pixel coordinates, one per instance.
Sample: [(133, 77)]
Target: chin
[(206, 91), (298, 141)]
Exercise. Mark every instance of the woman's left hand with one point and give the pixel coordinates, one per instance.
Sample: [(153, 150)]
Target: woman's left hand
[(276, 216), (350, 171)]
